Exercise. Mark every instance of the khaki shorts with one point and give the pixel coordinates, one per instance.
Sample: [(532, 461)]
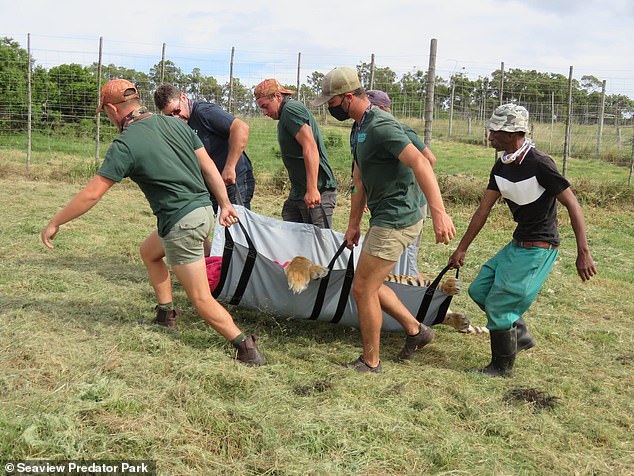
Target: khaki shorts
[(390, 243), (184, 242)]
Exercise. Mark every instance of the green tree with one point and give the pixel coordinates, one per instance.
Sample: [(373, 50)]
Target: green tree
[(204, 88), (242, 100), (314, 82), (384, 78), (171, 74), (72, 92), (13, 84)]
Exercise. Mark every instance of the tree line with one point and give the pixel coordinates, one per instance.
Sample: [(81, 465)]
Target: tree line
[(67, 94)]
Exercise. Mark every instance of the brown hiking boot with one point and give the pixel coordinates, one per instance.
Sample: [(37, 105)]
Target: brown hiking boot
[(165, 318), (415, 342), (248, 352), (360, 366)]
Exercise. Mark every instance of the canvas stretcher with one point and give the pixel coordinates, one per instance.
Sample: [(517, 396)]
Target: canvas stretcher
[(255, 251)]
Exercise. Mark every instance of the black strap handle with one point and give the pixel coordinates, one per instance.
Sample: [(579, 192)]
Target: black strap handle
[(345, 290), (323, 285), (227, 253), (249, 264), (429, 294), (324, 216)]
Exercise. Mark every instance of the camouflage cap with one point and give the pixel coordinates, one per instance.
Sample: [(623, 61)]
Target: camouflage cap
[(268, 87), (117, 91), (509, 118), (338, 81)]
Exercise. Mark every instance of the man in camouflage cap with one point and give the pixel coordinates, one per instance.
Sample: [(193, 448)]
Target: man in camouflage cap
[(509, 118), (508, 283)]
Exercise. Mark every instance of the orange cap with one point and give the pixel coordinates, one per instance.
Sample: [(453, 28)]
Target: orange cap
[(270, 86), (117, 91)]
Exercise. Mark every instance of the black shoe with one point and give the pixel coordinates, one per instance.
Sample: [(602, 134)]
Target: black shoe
[(248, 352), (360, 366), (503, 351), (165, 318), (415, 342)]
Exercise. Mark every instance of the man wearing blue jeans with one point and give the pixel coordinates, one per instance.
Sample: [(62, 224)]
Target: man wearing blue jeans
[(508, 283), (224, 136)]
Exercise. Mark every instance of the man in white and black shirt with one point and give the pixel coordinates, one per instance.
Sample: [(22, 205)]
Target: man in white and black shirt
[(508, 283)]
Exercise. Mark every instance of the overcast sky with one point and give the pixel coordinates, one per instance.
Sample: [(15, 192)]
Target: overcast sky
[(473, 36)]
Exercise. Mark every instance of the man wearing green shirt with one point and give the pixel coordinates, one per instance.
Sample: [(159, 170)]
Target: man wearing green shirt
[(386, 168), (167, 160), (381, 100), (313, 191)]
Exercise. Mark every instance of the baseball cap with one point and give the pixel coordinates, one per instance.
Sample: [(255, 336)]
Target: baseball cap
[(117, 91), (379, 98), (270, 86), (509, 118), (338, 81)]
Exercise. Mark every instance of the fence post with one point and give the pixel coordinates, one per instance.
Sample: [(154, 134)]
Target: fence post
[(600, 119), (162, 76), (299, 63), (28, 101), (429, 96), (230, 99), (568, 119), (98, 118), (501, 83)]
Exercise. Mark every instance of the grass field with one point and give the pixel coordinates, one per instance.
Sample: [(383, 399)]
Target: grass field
[(80, 378)]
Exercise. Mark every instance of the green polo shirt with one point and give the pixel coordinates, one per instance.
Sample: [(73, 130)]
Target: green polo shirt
[(390, 186), (293, 116), (157, 153)]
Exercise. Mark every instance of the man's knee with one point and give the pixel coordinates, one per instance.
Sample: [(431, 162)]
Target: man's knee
[(478, 294)]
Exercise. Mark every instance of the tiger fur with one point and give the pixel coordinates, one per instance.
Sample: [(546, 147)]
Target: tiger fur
[(451, 286)]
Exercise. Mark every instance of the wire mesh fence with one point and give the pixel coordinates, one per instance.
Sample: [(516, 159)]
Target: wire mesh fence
[(54, 92)]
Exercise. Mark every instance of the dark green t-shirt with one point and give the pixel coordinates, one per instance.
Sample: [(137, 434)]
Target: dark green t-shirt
[(293, 116), (420, 145), (157, 153), (390, 186)]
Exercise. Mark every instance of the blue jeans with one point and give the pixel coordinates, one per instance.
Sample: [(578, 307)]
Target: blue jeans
[(245, 185), (508, 283)]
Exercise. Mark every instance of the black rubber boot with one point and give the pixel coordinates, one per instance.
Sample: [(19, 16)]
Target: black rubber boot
[(503, 350), (525, 341)]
